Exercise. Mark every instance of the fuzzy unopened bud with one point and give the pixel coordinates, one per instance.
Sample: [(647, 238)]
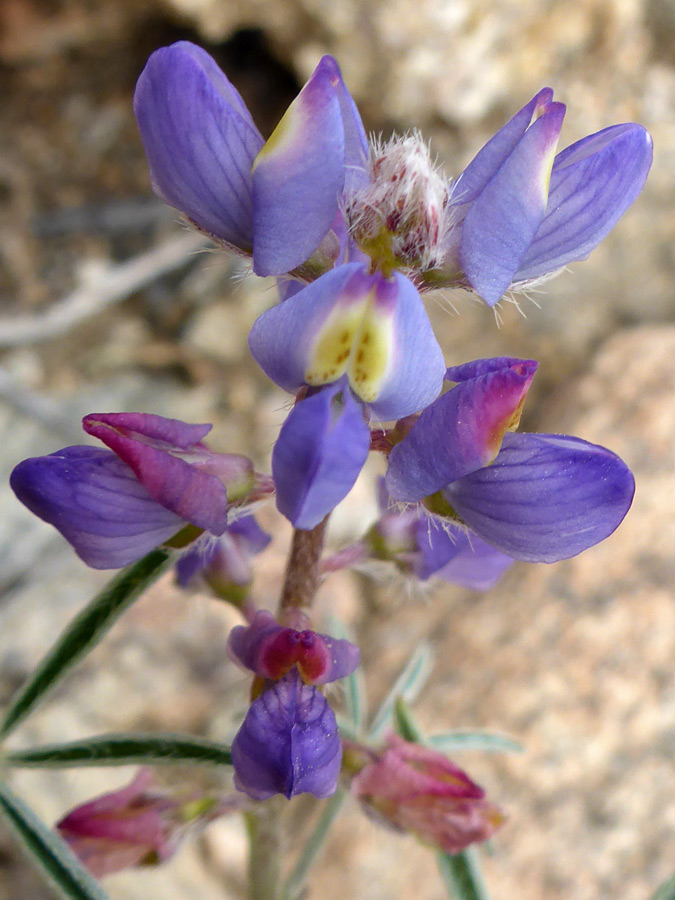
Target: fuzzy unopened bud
[(399, 218)]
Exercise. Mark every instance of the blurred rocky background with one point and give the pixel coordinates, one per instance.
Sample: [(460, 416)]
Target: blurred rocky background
[(107, 304)]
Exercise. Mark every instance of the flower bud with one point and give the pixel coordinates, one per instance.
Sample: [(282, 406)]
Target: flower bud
[(418, 790)]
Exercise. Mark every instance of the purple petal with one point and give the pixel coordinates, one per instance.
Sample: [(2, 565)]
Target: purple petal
[(476, 565), (503, 219), (593, 183), (247, 531), (494, 154), (461, 431), (546, 497), (374, 329), (281, 338), (245, 641), (181, 487), (288, 743), (322, 447), (298, 176), (200, 141), (437, 543), (357, 150), (97, 504), (344, 659)]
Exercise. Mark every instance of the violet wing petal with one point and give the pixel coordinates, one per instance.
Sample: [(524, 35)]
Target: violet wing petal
[(173, 433), (281, 338), (97, 504), (321, 448), (194, 495), (357, 174), (458, 433), (503, 220), (477, 367), (200, 141), (417, 368), (298, 176), (546, 497), (476, 565), (245, 641), (288, 743), (593, 183), (344, 658), (494, 154), (247, 530)]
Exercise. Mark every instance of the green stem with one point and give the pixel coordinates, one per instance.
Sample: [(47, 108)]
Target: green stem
[(265, 846), (462, 876), (313, 847)]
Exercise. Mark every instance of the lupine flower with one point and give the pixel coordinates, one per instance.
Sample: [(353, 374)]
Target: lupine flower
[(423, 546), (418, 790), (224, 564), (535, 497), (115, 505), (288, 743), (138, 825)]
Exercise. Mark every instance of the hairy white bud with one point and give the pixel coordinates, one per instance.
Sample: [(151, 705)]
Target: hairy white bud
[(399, 219)]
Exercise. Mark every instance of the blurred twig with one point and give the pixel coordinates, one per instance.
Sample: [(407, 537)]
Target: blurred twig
[(35, 406), (112, 284)]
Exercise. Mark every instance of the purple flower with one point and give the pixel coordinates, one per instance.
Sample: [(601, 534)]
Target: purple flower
[(288, 743), (276, 200), (224, 564), (321, 448), (272, 650), (116, 505), (541, 498)]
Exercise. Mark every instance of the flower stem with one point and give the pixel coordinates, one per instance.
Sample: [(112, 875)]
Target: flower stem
[(313, 847), (265, 846), (302, 569)]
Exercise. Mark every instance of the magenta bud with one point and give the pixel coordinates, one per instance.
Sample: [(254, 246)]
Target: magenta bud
[(418, 790)]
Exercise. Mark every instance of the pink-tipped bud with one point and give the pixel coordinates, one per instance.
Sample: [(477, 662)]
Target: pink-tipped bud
[(138, 825), (418, 790)]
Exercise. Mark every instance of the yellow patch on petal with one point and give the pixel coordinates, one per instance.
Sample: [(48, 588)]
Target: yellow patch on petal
[(333, 346), (546, 169), (371, 355), (281, 137), (356, 339)]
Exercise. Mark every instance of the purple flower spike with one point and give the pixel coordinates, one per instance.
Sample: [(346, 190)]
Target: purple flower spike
[(546, 497), (321, 448), (288, 743), (200, 141), (271, 651), (159, 452), (97, 504), (372, 329), (462, 430)]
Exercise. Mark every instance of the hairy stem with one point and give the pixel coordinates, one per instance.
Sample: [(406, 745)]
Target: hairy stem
[(265, 847), (302, 569)]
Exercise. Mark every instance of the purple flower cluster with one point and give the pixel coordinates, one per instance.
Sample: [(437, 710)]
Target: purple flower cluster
[(355, 231)]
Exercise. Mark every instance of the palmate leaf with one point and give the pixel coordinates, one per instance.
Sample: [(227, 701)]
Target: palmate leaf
[(49, 852), (85, 631), (123, 750)]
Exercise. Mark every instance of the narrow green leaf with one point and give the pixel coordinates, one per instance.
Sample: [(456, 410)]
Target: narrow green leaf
[(85, 631), (49, 852), (123, 750), (405, 724), (473, 740), (461, 875), (666, 891), (408, 685)]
